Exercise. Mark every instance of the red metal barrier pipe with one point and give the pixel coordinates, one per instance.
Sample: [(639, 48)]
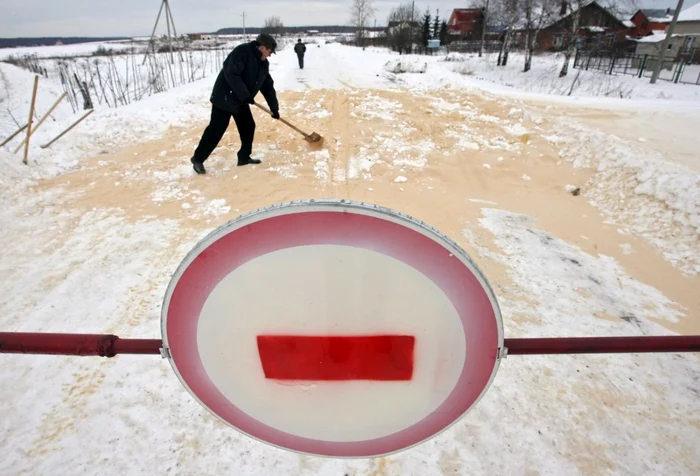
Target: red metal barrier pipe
[(103, 345), (602, 345), (137, 346), (107, 345)]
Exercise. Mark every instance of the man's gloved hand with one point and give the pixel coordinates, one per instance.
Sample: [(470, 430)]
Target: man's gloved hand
[(275, 114)]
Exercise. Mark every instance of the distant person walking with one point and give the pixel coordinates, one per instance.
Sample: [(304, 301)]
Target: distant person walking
[(300, 49), (245, 72)]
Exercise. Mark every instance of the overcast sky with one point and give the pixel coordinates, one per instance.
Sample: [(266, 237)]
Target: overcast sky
[(32, 18)]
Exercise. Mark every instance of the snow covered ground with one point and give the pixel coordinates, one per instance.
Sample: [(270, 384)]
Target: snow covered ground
[(76, 49), (544, 78), (92, 229)]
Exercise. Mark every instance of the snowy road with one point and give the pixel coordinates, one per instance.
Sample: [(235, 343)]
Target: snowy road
[(91, 231), (329, 67)]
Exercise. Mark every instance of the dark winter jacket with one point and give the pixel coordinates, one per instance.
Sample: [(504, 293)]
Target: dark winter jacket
[(300, 49), (240, 79)]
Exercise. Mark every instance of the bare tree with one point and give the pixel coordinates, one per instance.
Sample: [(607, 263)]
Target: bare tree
[(507, 13), (571, 24), (401, 20), (402, 13), (621, 8), (536, 15), (273, 26), (361, 11), (570, 12)]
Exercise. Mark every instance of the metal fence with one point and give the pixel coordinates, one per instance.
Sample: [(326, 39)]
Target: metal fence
[(673, 70)]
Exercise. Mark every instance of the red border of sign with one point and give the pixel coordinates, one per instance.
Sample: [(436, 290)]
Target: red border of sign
[(342, 227)]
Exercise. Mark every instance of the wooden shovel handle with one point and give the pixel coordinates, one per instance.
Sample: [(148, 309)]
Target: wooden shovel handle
[(282, 119)]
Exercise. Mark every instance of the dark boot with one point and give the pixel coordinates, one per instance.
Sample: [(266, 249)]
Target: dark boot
[(198, 166), (244, 159)]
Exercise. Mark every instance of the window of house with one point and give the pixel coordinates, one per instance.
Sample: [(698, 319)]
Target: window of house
[(558, 40)]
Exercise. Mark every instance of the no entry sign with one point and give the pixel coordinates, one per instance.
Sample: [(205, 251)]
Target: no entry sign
[(332, 328)]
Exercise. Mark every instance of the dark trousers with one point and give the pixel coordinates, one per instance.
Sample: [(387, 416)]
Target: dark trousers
[(217, 127), (301, 61)]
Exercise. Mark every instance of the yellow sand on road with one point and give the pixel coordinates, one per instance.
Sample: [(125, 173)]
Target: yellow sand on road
[(440, 157)]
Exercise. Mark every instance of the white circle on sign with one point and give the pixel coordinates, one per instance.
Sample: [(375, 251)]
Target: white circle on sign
[(332, 328), (374, 294)]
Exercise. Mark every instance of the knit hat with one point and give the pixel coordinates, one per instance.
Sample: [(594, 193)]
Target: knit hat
[(267, 41)]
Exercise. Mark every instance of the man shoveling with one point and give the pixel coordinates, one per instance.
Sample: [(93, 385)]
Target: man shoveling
[(245, 72)]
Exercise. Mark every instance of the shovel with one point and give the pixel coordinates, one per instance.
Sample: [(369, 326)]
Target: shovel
[(313, 137)]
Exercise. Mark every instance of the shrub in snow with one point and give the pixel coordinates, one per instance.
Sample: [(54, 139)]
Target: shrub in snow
[(463, 69), (455, 57), (412, 65)]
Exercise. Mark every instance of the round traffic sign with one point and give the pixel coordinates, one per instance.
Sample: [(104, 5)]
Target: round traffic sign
[(332, 328)]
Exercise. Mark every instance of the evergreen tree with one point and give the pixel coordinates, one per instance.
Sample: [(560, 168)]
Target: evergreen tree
[(443, 33), (426, 27), (436, 25)]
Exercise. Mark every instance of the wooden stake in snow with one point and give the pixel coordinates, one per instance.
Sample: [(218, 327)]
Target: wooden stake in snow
[(41, 121), (13, 135), (71, 127), (31, 116)]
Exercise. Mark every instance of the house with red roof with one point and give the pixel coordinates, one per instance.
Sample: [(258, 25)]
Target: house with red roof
[(466, 23)]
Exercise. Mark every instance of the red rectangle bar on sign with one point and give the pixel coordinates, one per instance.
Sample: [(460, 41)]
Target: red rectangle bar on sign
[(376, 357)]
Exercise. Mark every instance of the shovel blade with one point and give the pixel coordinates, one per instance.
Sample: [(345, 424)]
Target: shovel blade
[(313, 137)]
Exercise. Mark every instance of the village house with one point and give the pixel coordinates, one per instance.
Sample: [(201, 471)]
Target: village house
[(647, 21), (688, 27), (466, 23), (395, 27), (684, 45), (596, 26)]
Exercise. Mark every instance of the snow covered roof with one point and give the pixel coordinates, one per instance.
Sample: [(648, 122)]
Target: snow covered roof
[(594, 29), (659, 15), (556, 17), (666, 19), (690, 14), (655, 37), (659, 36), (628, 23)]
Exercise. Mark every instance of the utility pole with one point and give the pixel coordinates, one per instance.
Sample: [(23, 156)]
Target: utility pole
[(244, 35), (413, 6), (665, 44)]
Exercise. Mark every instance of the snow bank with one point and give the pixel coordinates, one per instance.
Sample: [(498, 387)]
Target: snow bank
[(652, 197), (105, 129), (559, 290), (539, 264), (543, 78), (406, 65), (68, 50), (453, 56)]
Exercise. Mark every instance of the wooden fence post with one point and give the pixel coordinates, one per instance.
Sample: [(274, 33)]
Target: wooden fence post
[(31, 116), (13, 135), (71, 127), (41, 121)]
